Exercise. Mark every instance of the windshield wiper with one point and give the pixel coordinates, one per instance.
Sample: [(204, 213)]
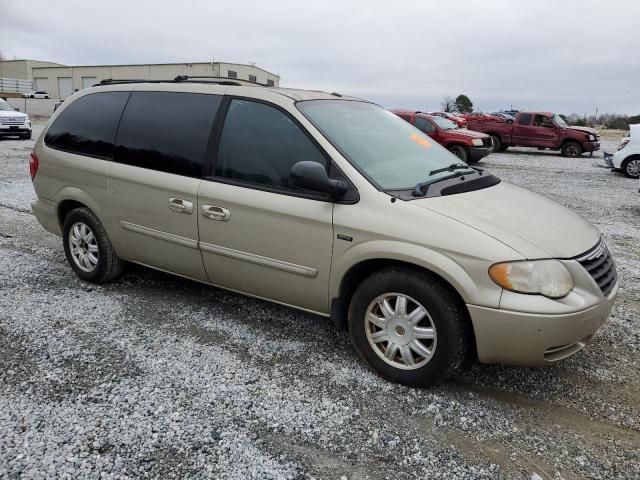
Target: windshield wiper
[(450, 168), (420, 189)]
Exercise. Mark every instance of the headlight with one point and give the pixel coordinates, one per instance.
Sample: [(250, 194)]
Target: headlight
[(544, 277), (592, 138), (623, 144), (477, 142)]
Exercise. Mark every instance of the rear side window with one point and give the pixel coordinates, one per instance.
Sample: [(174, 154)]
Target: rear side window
[(88, 125), (166, 131), (260, 144), (524, 118)]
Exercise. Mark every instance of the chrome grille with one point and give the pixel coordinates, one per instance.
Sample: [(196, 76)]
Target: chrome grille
[(12, 120), (600, 265)]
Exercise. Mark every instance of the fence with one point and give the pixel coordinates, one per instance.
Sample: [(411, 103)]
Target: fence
[(15, 85), (37, 107)]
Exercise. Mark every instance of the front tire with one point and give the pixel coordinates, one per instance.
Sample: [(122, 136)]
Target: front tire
[(408, 327), (631, 167), (88, 248), (571, 150), (497, 143), (460, 152)]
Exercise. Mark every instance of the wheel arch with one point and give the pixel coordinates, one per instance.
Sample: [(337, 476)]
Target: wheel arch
[(623, 164), (70, 198), (358, 272), (346, 277)]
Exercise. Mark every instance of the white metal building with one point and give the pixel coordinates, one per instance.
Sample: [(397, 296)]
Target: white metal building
[(62, 80)]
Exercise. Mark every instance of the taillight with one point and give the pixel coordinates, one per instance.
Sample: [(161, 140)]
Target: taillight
[(34, 163)]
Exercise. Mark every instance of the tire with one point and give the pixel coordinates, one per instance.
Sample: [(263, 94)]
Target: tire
[(445, 315), (107, 265), (571, 150), (26, 136), (631, 167), (47, 97), (32, 96), (497, 143), (460, 152)]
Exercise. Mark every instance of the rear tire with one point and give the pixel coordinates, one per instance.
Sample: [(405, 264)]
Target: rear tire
[(26, 136), (497, 143), (419, 341), (460, 152), (631, 167), (88, 248), (571, 150)]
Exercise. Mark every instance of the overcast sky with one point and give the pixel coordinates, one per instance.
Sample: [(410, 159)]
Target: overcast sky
[(565, 56)]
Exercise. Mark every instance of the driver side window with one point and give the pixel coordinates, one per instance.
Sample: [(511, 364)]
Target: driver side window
[(259, 145), (424, 125)]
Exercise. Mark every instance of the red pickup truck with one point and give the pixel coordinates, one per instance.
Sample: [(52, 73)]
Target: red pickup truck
[(542, 130), (468, 146)]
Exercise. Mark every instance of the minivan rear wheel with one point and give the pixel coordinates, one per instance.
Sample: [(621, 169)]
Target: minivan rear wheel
[(88, 248), (408, 327)]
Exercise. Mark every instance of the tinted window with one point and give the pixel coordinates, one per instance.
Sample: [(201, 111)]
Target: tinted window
[(260, 144), (524, 119), (166, 131), (88, 125), (424, 125)]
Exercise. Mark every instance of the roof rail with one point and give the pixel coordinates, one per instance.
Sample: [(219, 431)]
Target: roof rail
[(214, 79), (180, 79)]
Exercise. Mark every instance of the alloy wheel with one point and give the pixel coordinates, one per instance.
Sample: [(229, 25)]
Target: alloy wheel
[(633, 168), (400, 331), (83, 246)]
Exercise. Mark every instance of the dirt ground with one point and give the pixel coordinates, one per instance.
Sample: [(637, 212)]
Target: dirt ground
[(157, 376)]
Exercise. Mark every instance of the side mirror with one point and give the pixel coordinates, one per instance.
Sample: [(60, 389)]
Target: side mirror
[(313, 176)]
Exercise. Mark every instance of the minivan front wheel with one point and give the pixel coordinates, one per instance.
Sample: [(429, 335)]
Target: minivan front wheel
[(408, 327), (88, 249)]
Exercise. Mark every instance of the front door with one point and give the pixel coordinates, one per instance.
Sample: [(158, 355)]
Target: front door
[(257, 235), (154, 179)]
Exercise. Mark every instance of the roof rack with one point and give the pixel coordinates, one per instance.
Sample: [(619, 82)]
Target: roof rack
[(183, 79)]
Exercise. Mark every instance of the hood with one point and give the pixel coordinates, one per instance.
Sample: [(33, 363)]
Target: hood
[(529, 223), (592, 131), (12, 113), (466, 133)]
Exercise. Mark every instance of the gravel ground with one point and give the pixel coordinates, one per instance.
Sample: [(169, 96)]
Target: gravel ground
[(157, 376)]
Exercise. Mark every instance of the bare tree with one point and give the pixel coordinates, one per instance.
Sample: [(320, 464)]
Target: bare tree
[(448, 104)]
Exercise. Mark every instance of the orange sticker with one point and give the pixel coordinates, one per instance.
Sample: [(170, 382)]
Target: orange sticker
[(420, 141)]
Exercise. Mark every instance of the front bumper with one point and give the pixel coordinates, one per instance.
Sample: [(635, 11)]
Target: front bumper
[(477, 153), (590, 146), (530, 339), (8, 130)]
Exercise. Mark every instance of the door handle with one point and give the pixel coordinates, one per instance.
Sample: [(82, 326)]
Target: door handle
[(213, 212), (181, 206)]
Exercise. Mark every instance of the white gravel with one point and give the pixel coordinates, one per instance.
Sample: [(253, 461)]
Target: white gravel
[(156, 376)]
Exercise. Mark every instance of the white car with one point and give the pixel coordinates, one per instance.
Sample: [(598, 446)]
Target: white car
[(13, 123), (627, 158), (36, 94)]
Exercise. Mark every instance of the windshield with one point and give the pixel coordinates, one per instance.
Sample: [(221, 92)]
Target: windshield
[(444, 124), (5, 106), (557, 119), (393, 154)]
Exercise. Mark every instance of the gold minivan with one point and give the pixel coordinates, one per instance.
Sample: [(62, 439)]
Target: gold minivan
[(328, 204)]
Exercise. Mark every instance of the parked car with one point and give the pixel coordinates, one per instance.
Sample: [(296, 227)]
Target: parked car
[(457, 119), (513, 113), (542, 130), (504, 116), (465, 144), (480, 117), (627, 158), (325, 203), (13, 123), (36, 94)]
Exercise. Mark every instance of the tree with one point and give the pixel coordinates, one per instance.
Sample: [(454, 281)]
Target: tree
[(464, 104), (448, 104)]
